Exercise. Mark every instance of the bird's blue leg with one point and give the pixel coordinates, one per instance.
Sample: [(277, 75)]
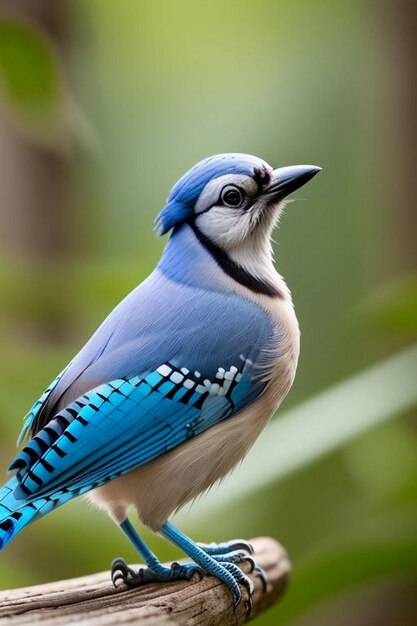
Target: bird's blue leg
[(226, 571), (155, 571)]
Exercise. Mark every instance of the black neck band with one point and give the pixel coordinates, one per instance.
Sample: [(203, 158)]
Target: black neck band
[(233, 269)]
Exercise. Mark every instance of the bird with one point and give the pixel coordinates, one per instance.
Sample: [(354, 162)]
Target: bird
[(177, 383)]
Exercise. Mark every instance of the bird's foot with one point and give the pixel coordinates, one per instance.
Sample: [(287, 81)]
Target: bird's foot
[(121, 573), (239, 558), (237, 551), (240, 577), (226, 546)]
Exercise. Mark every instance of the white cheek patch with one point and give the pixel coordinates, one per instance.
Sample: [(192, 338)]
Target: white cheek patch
[(211, 192), (225, 226)]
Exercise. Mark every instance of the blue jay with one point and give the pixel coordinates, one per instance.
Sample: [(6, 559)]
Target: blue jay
[(176, 384)]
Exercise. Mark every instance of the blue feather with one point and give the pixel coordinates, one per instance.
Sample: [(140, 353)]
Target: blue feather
[(14, 516), (34, 411)]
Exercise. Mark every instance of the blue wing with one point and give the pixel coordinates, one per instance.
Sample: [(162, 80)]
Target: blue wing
[(33, 413), (160, 321), (121, 425)]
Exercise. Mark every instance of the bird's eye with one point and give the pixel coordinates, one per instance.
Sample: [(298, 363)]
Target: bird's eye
[(232, 196)]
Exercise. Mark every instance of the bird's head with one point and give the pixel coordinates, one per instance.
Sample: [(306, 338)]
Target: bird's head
[(232, 199)]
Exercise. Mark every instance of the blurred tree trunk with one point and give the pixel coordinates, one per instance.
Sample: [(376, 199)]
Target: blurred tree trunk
[(33, 182), (400, 43)]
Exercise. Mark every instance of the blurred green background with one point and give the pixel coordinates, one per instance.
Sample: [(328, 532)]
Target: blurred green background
[(103, 105)]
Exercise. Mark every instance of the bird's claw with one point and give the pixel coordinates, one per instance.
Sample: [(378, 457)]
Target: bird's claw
[(238, 558), (249, 606), (187, 572), (227, 546), (262, 575), (251, 561), (120, 571), (240, 577), (231, 561)]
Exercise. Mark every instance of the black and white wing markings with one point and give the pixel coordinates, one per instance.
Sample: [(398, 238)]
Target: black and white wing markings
[(120, 425)]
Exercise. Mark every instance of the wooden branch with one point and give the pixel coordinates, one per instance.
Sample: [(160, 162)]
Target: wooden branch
[(93, 601)]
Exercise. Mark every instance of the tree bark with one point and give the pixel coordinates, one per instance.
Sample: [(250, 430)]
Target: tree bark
[(93, 601)]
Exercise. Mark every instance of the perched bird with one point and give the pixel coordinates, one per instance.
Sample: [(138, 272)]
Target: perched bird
[(176, 384)]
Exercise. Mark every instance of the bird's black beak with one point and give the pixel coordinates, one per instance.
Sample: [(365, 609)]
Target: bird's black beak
[(285, 180)]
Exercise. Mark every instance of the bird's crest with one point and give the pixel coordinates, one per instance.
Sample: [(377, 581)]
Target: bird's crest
[(186, 191)]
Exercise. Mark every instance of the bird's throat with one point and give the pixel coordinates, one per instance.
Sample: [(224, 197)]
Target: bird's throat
[(233, 269)]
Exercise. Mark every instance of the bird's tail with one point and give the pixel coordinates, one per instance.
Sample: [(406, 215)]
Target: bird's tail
[(14, 515)]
